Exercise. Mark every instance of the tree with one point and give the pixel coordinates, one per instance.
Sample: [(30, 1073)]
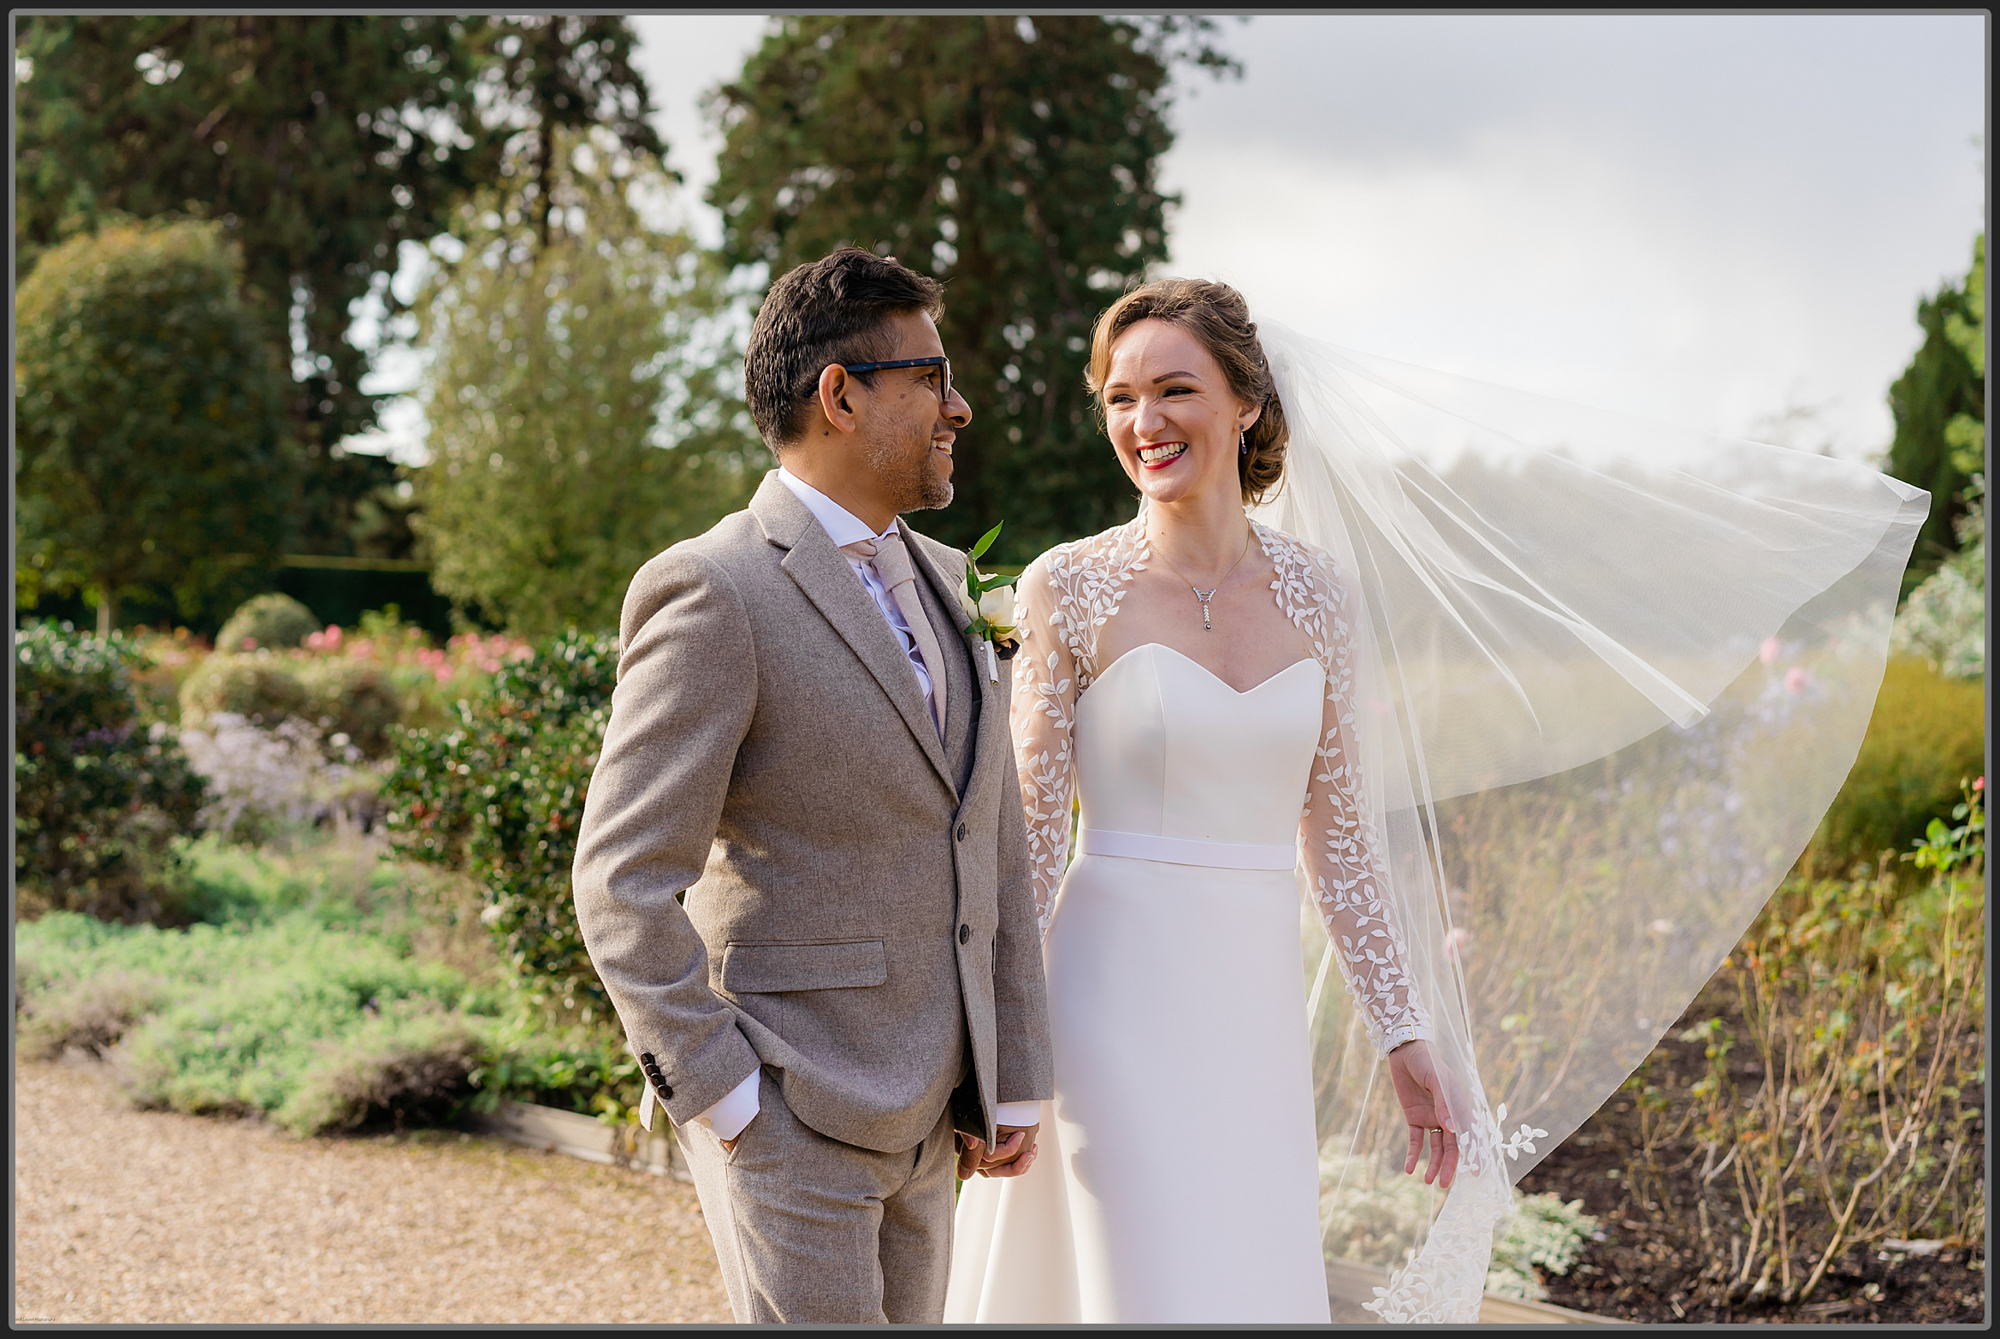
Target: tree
[(1966, 433), (577, 421), (1941, 385), (569, 72), (149, 418), (1013, 158), (319, 142)]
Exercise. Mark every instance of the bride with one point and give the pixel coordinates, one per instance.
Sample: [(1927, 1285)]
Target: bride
[(1240, 713)]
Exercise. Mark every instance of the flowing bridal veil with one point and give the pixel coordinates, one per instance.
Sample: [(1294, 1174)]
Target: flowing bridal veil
[(1611, 676)]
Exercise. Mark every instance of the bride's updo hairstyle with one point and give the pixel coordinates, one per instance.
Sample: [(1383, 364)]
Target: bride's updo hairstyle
[(1217, 316)]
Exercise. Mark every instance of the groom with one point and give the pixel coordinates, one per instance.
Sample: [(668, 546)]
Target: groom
[(802, 871)]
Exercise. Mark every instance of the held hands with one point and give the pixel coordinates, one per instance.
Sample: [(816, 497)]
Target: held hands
[(1421, 1088), (1014, 1155)]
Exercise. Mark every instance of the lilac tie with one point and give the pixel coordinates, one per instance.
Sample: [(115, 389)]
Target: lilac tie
[(891, 560)]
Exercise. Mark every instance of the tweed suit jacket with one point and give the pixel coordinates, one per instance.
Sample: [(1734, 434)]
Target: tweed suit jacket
[(857, 911)]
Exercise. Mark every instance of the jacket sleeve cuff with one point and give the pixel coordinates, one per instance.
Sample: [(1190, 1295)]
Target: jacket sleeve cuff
[(729, 1117), (1020, 1114)]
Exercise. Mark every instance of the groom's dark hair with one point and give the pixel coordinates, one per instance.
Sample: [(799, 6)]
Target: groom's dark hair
[(832, 310)]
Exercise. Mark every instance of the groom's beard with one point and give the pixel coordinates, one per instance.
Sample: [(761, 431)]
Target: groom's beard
[(914, 479)]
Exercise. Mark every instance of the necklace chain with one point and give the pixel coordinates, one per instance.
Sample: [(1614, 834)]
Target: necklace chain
[(1199, 594)]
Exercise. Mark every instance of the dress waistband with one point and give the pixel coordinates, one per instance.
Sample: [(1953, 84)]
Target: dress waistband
[(1181, 851)]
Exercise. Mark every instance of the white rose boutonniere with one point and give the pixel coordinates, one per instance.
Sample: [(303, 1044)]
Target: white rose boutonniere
[(989, 602)]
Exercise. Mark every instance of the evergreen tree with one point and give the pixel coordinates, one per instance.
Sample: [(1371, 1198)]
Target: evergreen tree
[(1941, 386), (318, 142), (544, 74), (1016, 160)]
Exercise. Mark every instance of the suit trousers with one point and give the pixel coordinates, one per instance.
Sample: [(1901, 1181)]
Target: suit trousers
[(809, 1229)]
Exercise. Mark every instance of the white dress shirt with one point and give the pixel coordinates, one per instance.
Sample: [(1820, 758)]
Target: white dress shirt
[(729, 1117)]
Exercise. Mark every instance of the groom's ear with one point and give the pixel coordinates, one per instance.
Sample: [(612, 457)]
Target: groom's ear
[(836, 398)]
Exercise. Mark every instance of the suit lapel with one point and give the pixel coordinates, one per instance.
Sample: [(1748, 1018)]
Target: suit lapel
[(820, 570), (968, 688)]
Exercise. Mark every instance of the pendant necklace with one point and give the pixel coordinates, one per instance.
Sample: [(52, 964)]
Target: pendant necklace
[(1205, 595)]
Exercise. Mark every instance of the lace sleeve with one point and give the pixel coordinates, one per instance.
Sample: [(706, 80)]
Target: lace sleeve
[(1044, 715), (1337, 835)]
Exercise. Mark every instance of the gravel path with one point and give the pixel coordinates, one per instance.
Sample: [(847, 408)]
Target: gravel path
[(148, 1217)]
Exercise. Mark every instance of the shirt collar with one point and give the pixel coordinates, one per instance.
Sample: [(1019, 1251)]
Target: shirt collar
[(840, 524)]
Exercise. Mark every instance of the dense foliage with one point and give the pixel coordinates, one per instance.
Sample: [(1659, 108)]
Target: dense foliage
[(322, 141), (498, 793), (98, 796), (1939, 405), (1015, 159), (323, 990), (543, 75), (149, 419), (320, 144), (1926, 738), (577, 424), (271, 620)]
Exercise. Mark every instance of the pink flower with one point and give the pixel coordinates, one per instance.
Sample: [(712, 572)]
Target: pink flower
[(1980, 784), (1795, 680), (249, 643), (1456, 942), (1768, 652)]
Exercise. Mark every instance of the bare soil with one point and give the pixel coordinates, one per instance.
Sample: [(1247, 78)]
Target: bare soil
[(1648, 1267), (130, 1217)]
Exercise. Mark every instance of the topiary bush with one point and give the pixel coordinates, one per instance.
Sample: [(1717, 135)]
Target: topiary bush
[(1928, 734), (271, 621), (98, 795), (497, 794), (350, 697), (256, 685)]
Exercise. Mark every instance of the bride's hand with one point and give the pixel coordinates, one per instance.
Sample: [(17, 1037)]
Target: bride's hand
[(1421, 1086)]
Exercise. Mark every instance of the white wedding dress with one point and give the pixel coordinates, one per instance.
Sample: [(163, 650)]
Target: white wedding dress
[(1178, 1178)]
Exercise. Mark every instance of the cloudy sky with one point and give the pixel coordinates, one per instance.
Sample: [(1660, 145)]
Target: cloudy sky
[(1707, 220), (1704, 220)]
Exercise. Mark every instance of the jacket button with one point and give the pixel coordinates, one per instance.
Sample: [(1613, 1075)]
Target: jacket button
[(961, 832), (667, 1092), (646, 1059), (964, 933)]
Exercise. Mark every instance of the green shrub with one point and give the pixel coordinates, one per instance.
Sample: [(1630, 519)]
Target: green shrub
[(98, 796), (1544, 1235), (88, 1015), (290, 1018), (412, 1069), (256, 685), (498, 794), (315, 1003), (270, 621), (350, 697), (1928, 734)]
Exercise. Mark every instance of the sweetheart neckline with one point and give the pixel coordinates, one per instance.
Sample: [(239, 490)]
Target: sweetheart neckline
[(1129, 652)]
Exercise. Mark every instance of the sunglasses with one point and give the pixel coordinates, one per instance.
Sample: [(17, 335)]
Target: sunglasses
[(940, 382)]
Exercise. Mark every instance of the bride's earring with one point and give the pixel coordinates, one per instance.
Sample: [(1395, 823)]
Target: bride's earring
[(1243, 443)]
